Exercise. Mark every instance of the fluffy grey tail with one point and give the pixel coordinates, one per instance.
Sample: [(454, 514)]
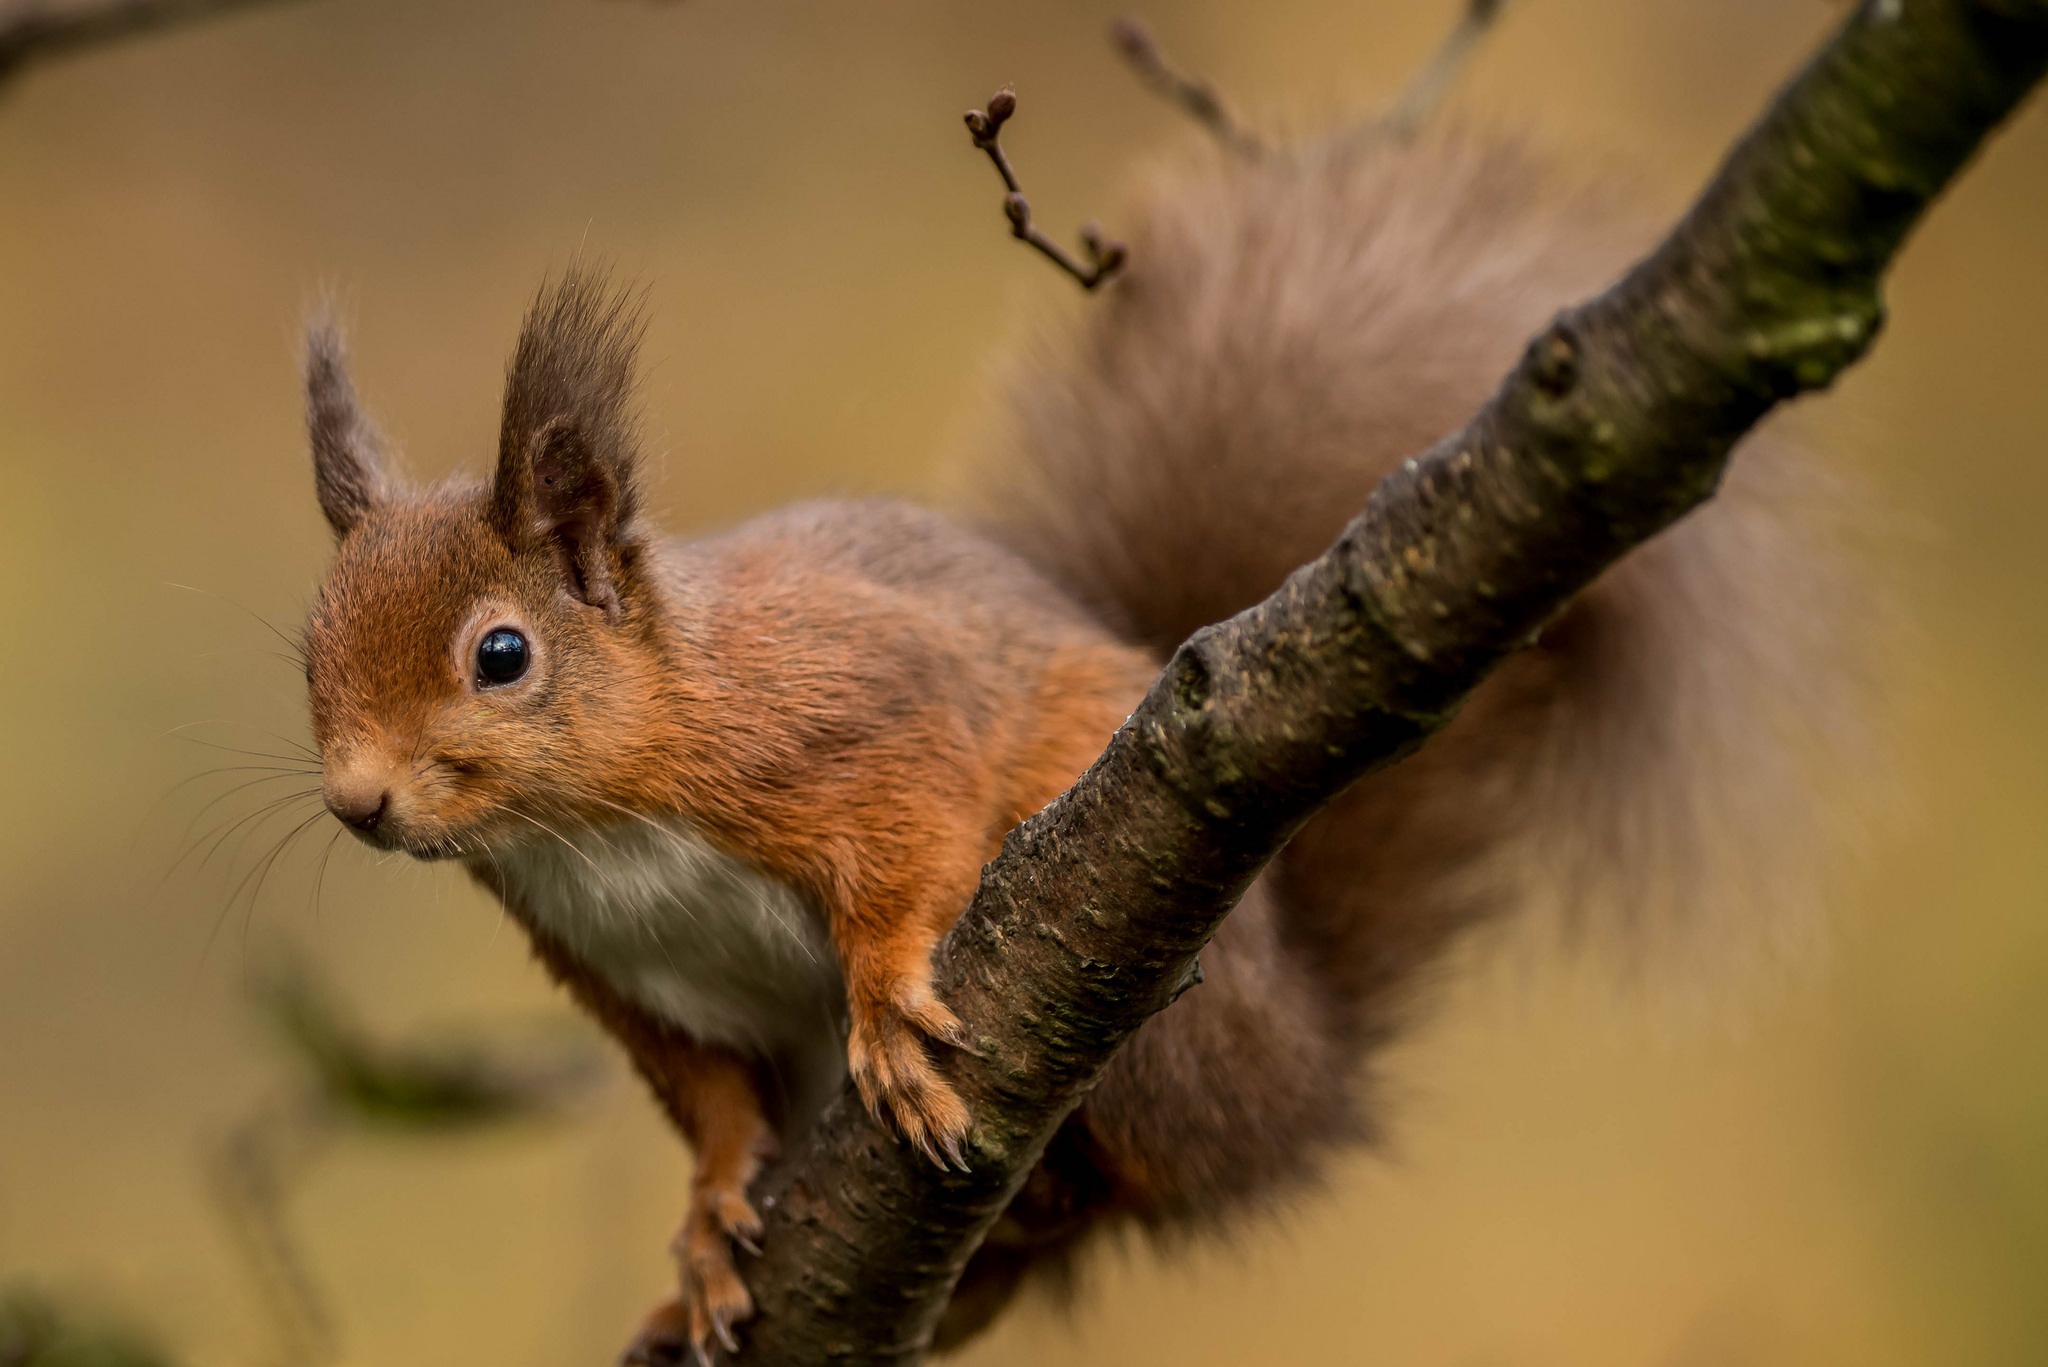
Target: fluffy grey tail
[(1290, 328)]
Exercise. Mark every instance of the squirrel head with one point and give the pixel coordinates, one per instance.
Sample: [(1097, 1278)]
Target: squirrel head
[(478, 654)]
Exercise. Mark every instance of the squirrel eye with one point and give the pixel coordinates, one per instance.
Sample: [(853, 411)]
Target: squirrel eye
[(500, 657)]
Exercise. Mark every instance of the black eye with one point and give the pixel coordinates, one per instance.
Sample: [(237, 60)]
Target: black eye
[(501, 657)]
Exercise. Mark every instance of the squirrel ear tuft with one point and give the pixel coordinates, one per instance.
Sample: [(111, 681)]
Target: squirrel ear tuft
[(557, 491), (345, 444), (567, 445)]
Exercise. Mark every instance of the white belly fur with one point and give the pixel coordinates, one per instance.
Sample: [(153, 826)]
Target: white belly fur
[(693, 935)]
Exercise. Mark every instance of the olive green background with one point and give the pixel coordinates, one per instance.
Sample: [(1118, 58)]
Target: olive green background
[(1851, 1166)]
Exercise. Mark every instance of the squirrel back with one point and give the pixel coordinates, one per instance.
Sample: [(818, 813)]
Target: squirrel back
[(1292, 326)]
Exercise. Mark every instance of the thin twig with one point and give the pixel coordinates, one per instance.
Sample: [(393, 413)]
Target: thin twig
[(1196, 97), (33, 30), (1105, 257), (1425, 94)]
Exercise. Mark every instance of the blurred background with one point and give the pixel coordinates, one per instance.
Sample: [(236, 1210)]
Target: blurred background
[(1854, 1171)]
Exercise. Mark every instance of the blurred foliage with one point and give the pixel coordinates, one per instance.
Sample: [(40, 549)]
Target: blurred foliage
[(340, 1081), (344, 1081), (38, 1330), (424, 1086)]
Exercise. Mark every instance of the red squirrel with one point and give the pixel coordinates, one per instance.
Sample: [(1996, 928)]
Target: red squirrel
[(737, 788)]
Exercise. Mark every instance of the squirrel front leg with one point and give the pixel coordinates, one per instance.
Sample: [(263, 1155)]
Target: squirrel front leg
[(714, 1098), (886, 931), (929, 840)]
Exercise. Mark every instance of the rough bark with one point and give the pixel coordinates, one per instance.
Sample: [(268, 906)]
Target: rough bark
[(1619, 419)]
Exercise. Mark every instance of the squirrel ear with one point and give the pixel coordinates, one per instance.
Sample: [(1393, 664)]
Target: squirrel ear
[(566, 446), (557, 490), (345, 444)]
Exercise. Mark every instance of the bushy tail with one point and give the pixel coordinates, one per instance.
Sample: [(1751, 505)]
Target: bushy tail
[(1290, 328)]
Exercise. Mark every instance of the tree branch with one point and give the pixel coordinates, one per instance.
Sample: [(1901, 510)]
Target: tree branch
[(1617, 421), (32, 30)]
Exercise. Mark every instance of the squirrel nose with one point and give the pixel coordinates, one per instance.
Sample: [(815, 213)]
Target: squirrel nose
[(365, 818), (358, 802)]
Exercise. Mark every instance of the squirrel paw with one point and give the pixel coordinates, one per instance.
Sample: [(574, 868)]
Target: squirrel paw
[(664, 1341), (894, 1071), (714, 1300)]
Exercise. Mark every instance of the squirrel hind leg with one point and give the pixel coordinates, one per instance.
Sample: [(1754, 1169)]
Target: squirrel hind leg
[(1063, 1202), (1234, 1093), (1220, 1103), (665, 1340)]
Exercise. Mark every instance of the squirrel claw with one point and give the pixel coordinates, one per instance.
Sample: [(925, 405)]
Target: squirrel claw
[(713, 1299), (722, 1327), (923, 1010), (899, 1083), (680, 1332), (952, 1147)]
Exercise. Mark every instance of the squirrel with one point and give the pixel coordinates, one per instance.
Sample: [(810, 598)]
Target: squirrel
[(736, 789)]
